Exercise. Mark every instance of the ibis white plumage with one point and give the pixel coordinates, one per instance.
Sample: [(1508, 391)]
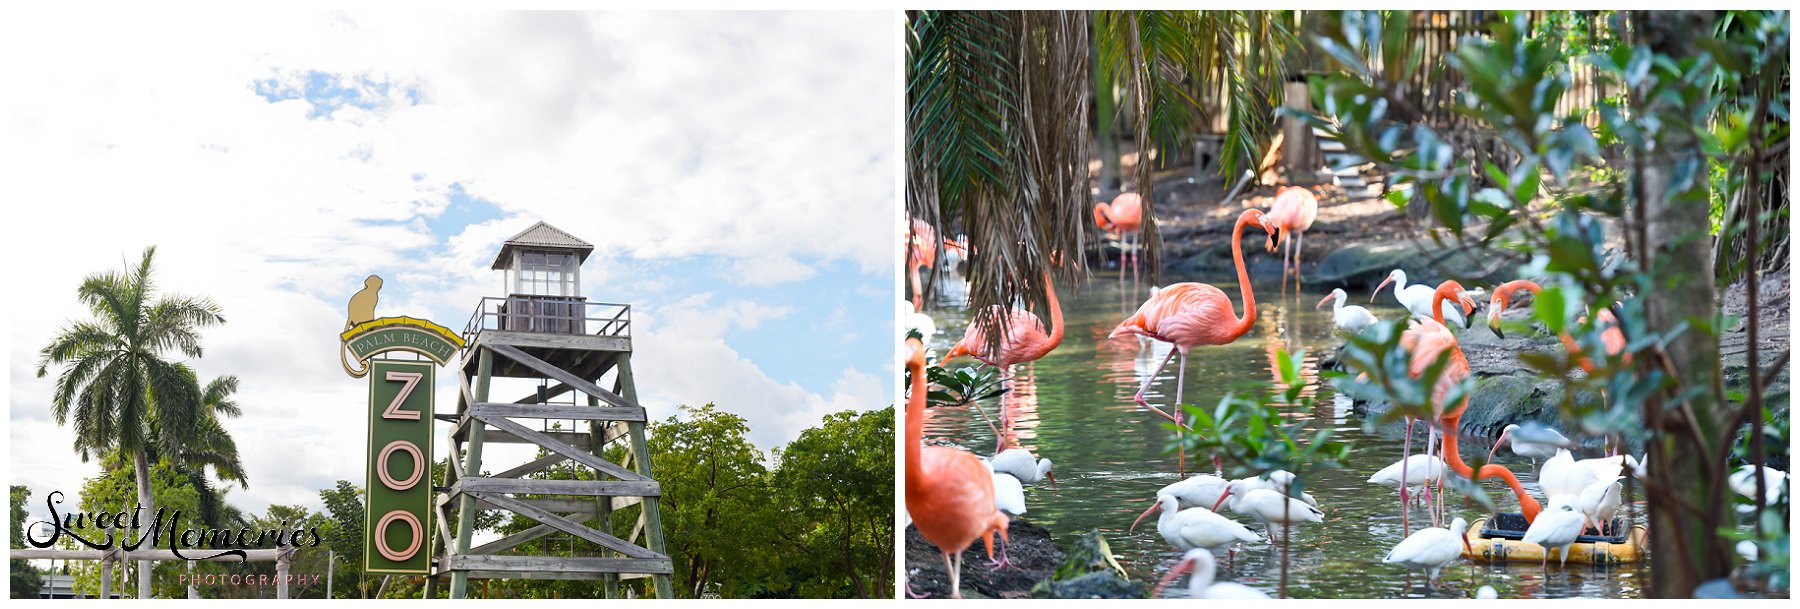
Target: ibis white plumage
[(1599, 502), (1417, 299), (1417, 471), (1196, 527), (1431, 549), (1022, 465), (1556, 529), (1269, 507), (1562, 475), (1205, 569), (1744, 482), (1347, 318)]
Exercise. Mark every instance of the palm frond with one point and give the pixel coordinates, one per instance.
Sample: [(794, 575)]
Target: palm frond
[(220, 396)]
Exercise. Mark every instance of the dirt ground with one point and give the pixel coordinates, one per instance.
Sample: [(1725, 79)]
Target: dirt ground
[(1035, 557)]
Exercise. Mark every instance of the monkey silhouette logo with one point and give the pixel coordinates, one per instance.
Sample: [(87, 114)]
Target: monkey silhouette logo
[(362, 309)]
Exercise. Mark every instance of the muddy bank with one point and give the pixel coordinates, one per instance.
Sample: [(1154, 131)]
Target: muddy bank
[(1035, 557)]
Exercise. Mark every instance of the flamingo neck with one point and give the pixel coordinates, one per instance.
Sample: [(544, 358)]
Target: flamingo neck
[(1451, 424), (1505, 291), (1056, 315), (915, 424), (1237, 257)]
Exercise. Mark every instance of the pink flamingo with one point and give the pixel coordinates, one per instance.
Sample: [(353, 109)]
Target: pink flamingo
[(1025, 341), (1122, 219), (921, 252), (1192, 314), (1293, 211)]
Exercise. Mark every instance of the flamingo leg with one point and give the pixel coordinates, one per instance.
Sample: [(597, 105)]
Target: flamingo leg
[(1180, 383), (1152, 379), (1405, 460), (950, 564)]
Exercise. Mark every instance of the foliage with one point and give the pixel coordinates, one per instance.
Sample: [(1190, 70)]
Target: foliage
[(26, 581), (346, 506), (1252, 437), (115, 489), (1688, 101), (116, 384), (817, 524)]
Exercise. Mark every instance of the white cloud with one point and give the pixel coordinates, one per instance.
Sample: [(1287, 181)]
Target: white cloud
[(762, 139)]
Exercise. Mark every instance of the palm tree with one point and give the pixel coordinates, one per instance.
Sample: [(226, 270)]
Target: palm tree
[(116, 383), (998, 139), (213, 446)]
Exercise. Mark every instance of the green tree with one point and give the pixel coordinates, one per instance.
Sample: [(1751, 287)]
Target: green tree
[(836, 482), (117, 384), (714, 498), (212, 446), (26, 582), (114, 490), (344, 535)]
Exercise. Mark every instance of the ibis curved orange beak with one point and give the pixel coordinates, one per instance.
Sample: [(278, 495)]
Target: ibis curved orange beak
[(1377, 292), (1180, 568), (1154, 505), (1324, 300)]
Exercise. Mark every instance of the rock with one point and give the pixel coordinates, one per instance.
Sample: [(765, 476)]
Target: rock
[(1365, 265), (1089, 572)]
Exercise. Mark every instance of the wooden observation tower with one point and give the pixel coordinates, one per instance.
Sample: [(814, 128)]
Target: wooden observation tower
[(545, 332)]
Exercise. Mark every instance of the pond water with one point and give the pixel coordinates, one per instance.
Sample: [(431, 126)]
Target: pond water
[(1075, 407)]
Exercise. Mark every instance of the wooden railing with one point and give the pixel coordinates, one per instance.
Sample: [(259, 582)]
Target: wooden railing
[(549, 315)]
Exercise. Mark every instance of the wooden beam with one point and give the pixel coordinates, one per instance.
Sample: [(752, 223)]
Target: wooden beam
[(510, 541), (538, 411), (565, 376), (527, 566), (564, 449), (574, 528), (581, 507), (533, 466), (547, 340), (555, 390), (592, 488)]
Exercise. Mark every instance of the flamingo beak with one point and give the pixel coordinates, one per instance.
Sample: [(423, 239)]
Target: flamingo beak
[(1324, 300), (1154, 505), (1494, 323), (1384, 283), (1180, 568)]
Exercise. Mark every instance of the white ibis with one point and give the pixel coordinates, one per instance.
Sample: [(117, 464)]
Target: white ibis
[(911, 319), (1532, 442), (1022, 465), (1562, 476), (1200, 585), (1352, 318), (1196, 528), (1607, 468), (1556, 528), (1278, 481), (1599, 502), (1417, 299), (1009, 495), (1418, 470), (1269, 507), (1431, 549), (1744, 482), (1203, 490)]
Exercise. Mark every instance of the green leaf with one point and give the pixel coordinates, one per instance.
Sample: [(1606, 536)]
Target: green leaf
[(1548, 306)]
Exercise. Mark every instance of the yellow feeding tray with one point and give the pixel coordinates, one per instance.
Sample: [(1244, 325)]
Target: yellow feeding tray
[(1503, 545)]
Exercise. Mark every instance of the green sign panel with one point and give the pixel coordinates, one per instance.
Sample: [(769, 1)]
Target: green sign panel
[(397, 534), (419, 336)]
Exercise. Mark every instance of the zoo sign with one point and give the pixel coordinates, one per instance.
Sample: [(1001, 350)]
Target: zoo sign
[(397, 529)]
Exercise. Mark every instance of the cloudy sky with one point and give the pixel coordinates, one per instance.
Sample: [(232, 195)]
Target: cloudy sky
[(735, 172)]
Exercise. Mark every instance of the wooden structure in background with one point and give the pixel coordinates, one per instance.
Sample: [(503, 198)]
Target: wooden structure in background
[(545, 330)]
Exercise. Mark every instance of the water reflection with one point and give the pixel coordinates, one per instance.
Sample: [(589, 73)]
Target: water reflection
[(1075, 406)]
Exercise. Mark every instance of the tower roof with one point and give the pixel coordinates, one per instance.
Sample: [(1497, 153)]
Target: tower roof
[(542, 236)]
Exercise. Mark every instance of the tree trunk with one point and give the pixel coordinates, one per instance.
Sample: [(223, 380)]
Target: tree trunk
[(145, 567), (1107, 131), (1685, 512)]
